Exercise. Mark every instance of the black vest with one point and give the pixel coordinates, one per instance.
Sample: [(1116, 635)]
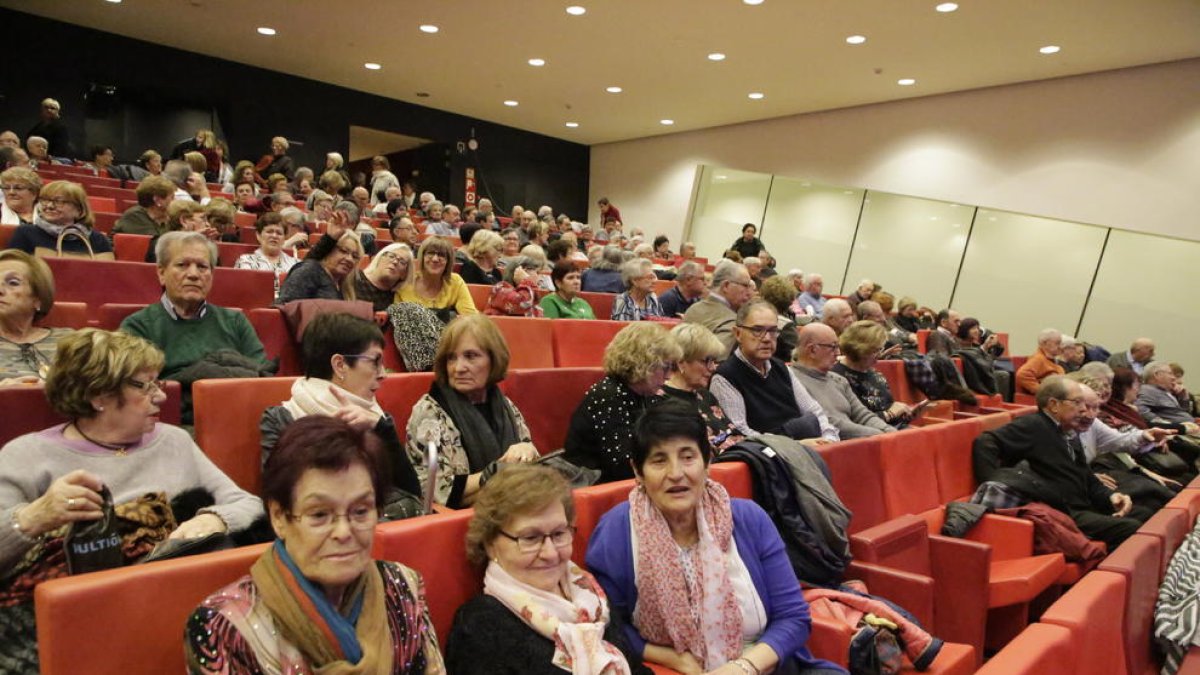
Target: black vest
[(770, 402)]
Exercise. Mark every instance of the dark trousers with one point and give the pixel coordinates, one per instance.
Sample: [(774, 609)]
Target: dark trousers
[(1110, 529)]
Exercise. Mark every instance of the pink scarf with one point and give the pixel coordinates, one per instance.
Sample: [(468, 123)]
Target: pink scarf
[(576, 625), (705, 620)]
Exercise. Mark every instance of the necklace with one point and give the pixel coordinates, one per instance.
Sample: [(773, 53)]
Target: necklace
[(120, 449)]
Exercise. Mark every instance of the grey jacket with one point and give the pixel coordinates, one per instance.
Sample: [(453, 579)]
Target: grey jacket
[(1159, 405)]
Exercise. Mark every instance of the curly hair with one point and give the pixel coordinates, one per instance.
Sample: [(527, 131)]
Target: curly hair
[(517, 490), (91, 362), (639, 348)]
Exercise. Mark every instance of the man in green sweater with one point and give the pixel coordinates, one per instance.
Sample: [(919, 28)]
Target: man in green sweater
[(182, 323)]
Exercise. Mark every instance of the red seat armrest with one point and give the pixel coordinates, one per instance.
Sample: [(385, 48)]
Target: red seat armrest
[(961, 568), (913, 592), (830, 640)]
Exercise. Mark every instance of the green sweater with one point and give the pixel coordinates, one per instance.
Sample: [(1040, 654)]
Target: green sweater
[(185, 342), (555, 308)]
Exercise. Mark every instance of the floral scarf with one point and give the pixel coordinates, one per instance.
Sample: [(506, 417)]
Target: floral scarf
[(702, 618), (576, 625)]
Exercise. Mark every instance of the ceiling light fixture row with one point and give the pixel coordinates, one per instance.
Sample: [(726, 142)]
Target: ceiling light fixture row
[(576, 10)]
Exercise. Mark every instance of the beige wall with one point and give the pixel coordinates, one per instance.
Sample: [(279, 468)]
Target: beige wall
[(1120, 149)]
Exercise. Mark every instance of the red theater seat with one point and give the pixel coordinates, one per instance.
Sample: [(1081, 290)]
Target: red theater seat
[(547, 398), (1093, 610), (276, 338), (399, 393), (26, 410), (853, 467), (104, 222), (479, 294), (66, 315), (530, 341), (602, 303), (580, 342), (1139, 560), (590, 504), (893, 371), (129, 621), (1170, 526), (1040, 649), (228, 253), (131, 247), (112, 314), (227, 413)]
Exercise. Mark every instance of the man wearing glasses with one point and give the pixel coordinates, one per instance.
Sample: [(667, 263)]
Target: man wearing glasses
[(1057, 473), (758, 392), (731, 289), (816, 354)]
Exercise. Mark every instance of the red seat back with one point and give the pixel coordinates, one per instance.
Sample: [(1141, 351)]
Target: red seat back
[(1040, 649), (399, 393), (434, 546), (66, 315), (104, 222), (6, 233), (1093, 610), (590, 504), (1170, 526), (530, 342), (103, 204), (893, 371), (131, 247), (580, 342), (112, 314), (994, 421), (227, 414), (242, 288), (479, 294), (228, 253), (909, 467), (1139, 560), (276, 338), (901, 543), (71, 611), (26, 410), (953, 443), (602, 303), (547, 398), (1187, 500), (735, 477), (857, 478)]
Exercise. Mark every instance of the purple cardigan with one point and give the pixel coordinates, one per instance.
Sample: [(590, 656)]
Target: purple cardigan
[(610, 559)]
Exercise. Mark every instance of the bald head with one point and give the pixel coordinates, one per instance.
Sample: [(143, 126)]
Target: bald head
[(837, 315), (817, 347), (869, 310), (1142, 350)]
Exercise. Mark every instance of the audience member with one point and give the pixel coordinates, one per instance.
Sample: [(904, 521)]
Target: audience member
[(779, 294), (944, 339), (609, 212), (21, 188), (516, 294), (476, 428), (564, 302), (811, 302), (9, 139), (280, 162), (702, 353), (51, 128), (636, 365), (1136, 358), (270, 254), (861, 345), (483, 253), (1160, 400), (1040, 364), (403, 231), (731, 289), (382, 178), (63, 215), (638, 302), (605, 274), (979, 356), (758, 392), (27, 351), (387, 271), (434, 284), (326, 272), (862, 292), (688, 290), (815, 357), (747, 245), (837, 315), (149, 216), (221, 216), (1071, 354)]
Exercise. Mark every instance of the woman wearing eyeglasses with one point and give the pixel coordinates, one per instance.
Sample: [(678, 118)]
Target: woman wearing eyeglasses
[(638, 302), (435, 285), (62, 207), (343, 368), (476, 428), (388, 270), (21, 187), (326, 272), (636, 365), (539, 612), (105, 384), (702, 353), (315, 602)]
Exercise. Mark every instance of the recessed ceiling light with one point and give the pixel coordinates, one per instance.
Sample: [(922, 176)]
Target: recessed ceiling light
[(721, 177), (666, 123), (753, 2), (115, 2), (856, 39), (756, 95), (576, 10), (572, 125), (947, 7), (372, 66), (1050, 49), (428, 28), (511, 103), (537, 62), (716, 56), (613, 90), (906, 82), (263, 30)]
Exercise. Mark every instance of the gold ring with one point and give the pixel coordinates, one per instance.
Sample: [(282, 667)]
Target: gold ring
[(70, 502)]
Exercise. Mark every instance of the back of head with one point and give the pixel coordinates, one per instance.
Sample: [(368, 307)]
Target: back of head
[(151, 187), (778, 291), (177, 171)]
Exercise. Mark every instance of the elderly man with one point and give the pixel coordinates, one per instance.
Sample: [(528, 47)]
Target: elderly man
[(1071, 354), (525, 223), (687, 251), (391, 194), (944, 339), (754, 266), (863, 292), (816, 354), (731, 288), (485, 205), (9, 139), (404, 232), (758, 392), (38, 150), (1139, 355), (149, 216), (1041, 365), (280, 162), (196, 337), (811, 302), (51, 127), (1160, 399), (1057, 472), (837, 314), (688, 290)]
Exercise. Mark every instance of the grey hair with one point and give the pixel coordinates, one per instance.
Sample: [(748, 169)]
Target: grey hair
[(689, 269), (1048, 334), (726, 270), (173, 240), (177, 171), (1152, 370), (338, 161), (634, 269), (813, 276), (436, 203), (697, 341), (610, 259), (1068, 341), (1098, 369), (292, 214), (643, 248), (752, 260), (534, 251), (1055, 386), (523, 261), (837, 305), (796, 272)]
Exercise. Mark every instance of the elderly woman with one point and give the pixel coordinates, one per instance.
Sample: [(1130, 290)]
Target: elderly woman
[(779, 292), (476, 429), (564, 302), (516, 295), (184, 215), (638, 302), (861, 343), (315, 601), (512, 242), (105, 384), (388, 270), (680, 537), (21, 187), (26, 295), (269, 255), (343, 368), (62, 207), (605, 274), (1159, 401), (549, 614), (484, 251), (636, 365), (702, 353), (326, 272), (435, 285)]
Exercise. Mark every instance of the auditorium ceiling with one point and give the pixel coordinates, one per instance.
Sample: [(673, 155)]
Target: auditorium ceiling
[(791, 55)]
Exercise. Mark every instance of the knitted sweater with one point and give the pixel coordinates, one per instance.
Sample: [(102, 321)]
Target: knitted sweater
[(168, 460), (186, 341)]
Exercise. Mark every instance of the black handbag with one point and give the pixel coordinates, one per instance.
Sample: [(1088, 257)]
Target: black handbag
[(94, 545)]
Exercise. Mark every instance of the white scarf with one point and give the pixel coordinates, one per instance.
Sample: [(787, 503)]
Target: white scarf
[(314, 396)]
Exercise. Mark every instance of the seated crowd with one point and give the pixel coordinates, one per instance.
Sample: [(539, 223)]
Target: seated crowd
[(679, 574)]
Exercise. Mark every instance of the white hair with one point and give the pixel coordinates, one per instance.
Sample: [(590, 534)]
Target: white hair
[(1048, 335)]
